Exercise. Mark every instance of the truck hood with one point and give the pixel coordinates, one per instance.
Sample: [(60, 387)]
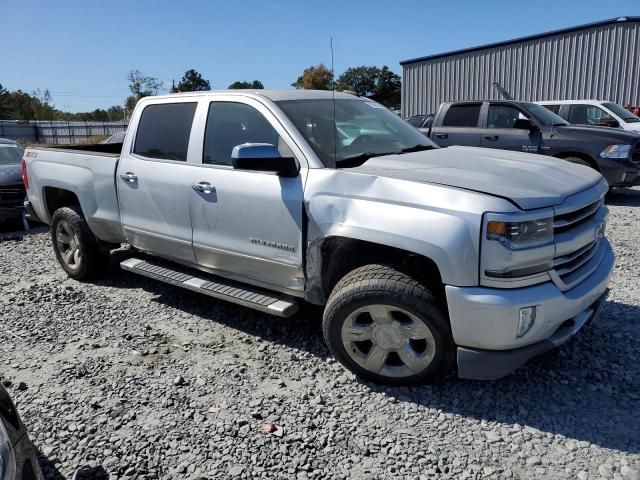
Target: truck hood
[(10, 174), (527, 180), (607, 135)]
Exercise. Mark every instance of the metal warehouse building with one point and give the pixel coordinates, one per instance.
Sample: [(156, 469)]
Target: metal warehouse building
[(597, 61)]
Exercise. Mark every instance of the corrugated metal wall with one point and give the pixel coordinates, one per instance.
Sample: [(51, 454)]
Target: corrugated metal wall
[(599, 63)]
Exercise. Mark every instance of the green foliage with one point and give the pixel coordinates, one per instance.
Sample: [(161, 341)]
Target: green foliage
[(255, 85), (318, 77), (192, 81), (380, 84)]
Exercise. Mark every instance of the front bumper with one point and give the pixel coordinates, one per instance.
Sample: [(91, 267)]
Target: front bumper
[(478, 364), (620, 173), (485, 320)]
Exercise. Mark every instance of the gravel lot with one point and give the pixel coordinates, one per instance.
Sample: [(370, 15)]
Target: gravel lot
[(137, 379)]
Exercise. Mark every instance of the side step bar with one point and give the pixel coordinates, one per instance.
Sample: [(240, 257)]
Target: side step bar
[(223, 289)]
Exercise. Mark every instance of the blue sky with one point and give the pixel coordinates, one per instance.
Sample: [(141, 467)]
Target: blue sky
[(82, 49)]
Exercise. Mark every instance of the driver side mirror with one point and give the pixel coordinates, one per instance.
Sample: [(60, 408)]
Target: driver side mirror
[(525, 124), (263, 157)]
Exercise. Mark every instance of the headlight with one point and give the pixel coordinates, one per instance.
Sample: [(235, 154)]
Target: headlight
[(616, 151), (519, 235)]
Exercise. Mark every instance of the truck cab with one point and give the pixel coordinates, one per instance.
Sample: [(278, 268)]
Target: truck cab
[(532, 128), (600, 113)]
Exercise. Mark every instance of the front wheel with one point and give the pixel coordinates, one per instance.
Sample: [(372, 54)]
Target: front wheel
[(388, 328), (74, 244)]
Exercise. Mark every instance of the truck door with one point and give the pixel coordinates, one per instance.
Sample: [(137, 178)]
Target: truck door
[(458, 124), (246, 224), (154, 181), (502, 130)]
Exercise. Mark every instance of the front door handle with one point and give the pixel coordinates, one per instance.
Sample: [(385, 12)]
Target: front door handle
[(129, 177), (442, 135), (491, 137), (204, 187)]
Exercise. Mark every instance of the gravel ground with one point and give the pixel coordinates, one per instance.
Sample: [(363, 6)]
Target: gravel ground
[(137, 379)]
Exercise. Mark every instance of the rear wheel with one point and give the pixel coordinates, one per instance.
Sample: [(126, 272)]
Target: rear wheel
[(75, 246), (388, 328)]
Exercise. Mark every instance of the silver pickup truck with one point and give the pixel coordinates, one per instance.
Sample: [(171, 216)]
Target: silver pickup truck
[(423, 257)]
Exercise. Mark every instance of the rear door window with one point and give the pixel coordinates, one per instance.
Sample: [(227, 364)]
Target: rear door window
[(466, 115), (164, 130)]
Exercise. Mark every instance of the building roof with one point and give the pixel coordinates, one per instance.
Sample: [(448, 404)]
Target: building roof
[(524, 39)]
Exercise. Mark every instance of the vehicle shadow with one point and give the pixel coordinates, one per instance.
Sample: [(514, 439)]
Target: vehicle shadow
[(50, 470), (587, 390), (623, 197)]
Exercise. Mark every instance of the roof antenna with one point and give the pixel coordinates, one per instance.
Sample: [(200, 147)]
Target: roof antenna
[(333, 97)]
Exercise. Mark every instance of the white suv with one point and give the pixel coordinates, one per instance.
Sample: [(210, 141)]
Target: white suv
[(594, 112)]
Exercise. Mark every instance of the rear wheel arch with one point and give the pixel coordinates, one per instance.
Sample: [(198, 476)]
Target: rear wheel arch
[(55, 198)]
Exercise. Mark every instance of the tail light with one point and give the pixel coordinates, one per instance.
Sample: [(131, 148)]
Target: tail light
[(25, 177)]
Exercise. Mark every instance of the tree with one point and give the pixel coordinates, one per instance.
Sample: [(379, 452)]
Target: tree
[(361, 80), (192, 81), (255, 85), (141, 85), (318, 77), (5, 104), (380, 84), (388, 88)]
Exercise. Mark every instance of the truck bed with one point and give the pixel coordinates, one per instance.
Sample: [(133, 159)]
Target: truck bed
[(86, 171)]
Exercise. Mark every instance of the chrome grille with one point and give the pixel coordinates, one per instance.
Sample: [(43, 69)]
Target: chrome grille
[(570, 263), (573, 219), (579, 227)]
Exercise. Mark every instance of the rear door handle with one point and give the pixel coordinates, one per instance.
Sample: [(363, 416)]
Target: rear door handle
[(442, 135), (129, 177), (204, 187), (491, 137)]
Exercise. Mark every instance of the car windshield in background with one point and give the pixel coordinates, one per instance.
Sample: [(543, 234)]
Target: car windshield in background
[(362, 129), (10, 154), (545, 115), (622, 112)]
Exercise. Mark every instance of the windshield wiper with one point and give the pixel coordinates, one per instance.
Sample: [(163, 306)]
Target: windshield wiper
[(359, 159), (417, 148)]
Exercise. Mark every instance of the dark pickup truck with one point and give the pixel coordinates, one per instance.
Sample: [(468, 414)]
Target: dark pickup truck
[(528, 127)]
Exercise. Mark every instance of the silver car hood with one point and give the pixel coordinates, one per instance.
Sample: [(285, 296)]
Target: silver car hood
[(530, 181)]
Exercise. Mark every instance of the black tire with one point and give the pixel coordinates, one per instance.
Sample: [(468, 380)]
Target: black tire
[(90, 261), (380, 285)]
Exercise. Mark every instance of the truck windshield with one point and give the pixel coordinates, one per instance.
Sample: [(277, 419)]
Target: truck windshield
[(362, 129), (622, 112), (10, 154), (545, 115)]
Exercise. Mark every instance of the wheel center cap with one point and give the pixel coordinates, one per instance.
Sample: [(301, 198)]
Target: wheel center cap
[(388, 336)]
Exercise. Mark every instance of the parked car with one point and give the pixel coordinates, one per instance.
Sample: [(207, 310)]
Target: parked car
[(594, 112), (422, 123), (18, 459), (117, 137), (12, 191), (529, 127), (421, 256)]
